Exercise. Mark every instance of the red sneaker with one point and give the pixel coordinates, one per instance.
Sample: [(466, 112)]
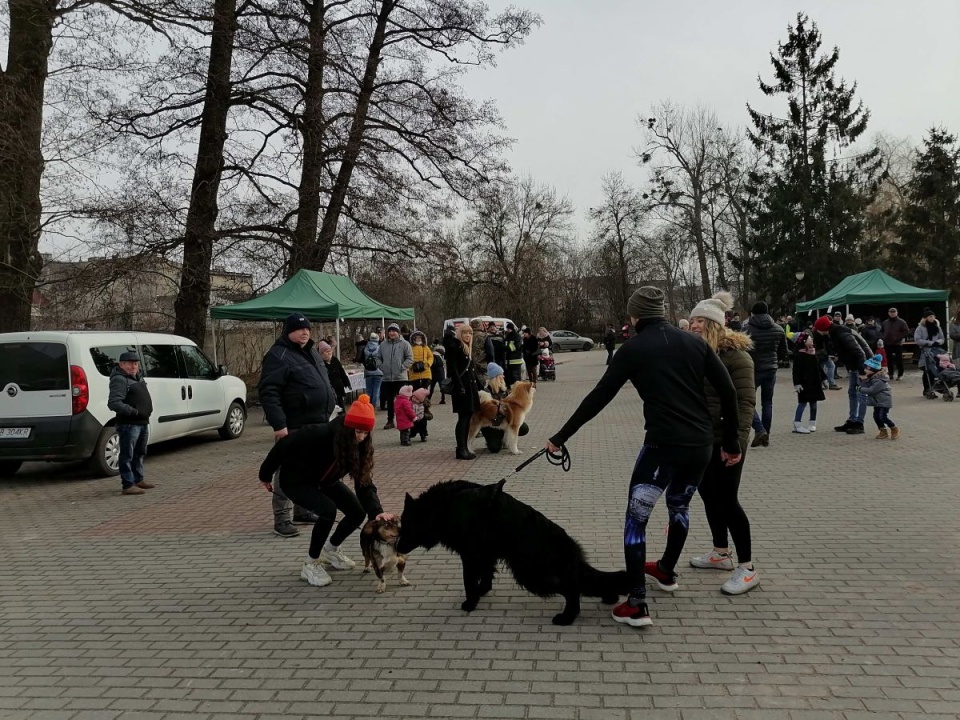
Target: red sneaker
[(663, 580), (633, 616)]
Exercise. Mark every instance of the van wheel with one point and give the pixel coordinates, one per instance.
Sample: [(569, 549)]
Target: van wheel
[(105, 461), (8, 468), (233, 425)]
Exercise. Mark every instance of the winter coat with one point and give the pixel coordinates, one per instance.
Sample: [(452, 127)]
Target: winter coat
[(871, 333), (396, 358), (307, 458), (372, 350), (499, 350), (894, 331), (129, 398), (877, 389), (461, 370), (405, 414), (927, 338), (846, 344), (808, 374), (514, 347), (530, 348), (769, 342), (294, 387), (421, 353), (610, 339), (954, 329), (338, 378), (438, 371), (734, 352)]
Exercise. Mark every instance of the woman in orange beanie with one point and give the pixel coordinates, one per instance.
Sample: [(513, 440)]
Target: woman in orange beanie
[(312, 464)]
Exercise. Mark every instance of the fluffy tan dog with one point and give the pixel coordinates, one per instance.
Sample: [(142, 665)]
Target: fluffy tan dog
[(511, 412)]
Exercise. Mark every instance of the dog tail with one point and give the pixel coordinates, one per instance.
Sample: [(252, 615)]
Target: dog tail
[(599, 583)]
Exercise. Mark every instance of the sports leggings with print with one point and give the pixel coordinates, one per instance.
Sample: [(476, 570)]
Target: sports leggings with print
[(677, 471)]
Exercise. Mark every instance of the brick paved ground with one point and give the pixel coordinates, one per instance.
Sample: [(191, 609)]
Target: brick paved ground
[(180, 603)]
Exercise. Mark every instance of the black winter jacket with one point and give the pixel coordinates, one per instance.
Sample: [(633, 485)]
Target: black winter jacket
[(846, 344), (461, 369), (668, 368), (129, 398), (338, 379), (294, 387), (808, 374), (871, 333), (769, 342)]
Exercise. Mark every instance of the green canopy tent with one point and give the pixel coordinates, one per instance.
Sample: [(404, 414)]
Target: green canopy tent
[(872, 287), (322, 297)]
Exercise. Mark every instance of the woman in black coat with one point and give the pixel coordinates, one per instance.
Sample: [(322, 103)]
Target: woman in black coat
[(460, 369), (338, 376)]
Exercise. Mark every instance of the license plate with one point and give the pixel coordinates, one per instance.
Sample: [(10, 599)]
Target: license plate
[(14, 433)]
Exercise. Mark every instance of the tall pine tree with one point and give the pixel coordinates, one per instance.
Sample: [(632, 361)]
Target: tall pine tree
[(809, 196), (927, 251)]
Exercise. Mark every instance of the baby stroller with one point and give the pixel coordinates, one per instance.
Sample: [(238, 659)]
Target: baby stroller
[(546, 366), (943, 374)]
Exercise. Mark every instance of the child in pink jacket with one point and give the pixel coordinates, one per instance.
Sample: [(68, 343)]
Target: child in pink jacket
[(403, 408)]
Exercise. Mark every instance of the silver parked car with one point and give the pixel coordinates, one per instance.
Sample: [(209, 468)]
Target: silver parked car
[(567, 340)]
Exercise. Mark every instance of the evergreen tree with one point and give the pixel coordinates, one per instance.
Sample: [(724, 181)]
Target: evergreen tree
[(808, 198), (928, 249)]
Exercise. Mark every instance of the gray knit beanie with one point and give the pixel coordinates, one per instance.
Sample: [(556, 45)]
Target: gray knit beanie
[(646, 303)]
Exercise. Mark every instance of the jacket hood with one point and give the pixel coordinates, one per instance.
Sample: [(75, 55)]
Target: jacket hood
[(372, 345), (760, 321), (733, 340)]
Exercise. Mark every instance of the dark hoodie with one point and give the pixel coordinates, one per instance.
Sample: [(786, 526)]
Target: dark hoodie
[(769, 342)]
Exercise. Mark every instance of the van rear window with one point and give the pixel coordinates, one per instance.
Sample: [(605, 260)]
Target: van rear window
[(34, 366)]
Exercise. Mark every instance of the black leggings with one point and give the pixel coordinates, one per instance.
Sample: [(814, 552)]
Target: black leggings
[(718, 490), (462, 429), (325, 501)]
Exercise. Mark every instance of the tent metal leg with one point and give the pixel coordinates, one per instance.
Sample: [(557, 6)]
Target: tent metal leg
[(338, 338)]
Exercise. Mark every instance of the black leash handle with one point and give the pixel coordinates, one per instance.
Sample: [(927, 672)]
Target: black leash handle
[(561, 458)]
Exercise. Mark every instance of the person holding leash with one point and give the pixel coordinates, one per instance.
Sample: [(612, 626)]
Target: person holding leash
[(668, 367)]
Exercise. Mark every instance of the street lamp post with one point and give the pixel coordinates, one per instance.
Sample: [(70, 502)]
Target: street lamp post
[(799, 275)]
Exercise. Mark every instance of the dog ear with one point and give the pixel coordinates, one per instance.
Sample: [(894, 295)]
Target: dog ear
[(407, 501), (499, 487)]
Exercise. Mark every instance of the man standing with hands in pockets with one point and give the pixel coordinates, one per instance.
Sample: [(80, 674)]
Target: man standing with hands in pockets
[(667, 367)]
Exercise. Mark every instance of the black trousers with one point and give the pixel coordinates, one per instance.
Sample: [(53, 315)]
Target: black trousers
[(388, 392), (719, 490), (895, 359), (462, 429), (325, 501)]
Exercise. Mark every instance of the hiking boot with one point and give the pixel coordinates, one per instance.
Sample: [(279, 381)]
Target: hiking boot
[(665, 581), (855, 429), (314, 574), (742, 580), (843, 428), (145, 485), (761, 439), (336, 559), (883, 434), (285, 529), (389, 426), (799, 428), (304, 518), (133, 490), (633, 616), (895, 433), (713, 560)]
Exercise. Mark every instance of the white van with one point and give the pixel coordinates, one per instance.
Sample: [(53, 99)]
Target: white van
[(54, 388), (501, 323)]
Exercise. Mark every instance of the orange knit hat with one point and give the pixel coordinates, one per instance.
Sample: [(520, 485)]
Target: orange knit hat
[(360, 416)]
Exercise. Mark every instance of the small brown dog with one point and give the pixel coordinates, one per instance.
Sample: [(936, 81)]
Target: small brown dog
[(378, 541)]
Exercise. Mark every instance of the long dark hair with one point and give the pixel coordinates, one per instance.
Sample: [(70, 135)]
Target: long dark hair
[(354, 457)]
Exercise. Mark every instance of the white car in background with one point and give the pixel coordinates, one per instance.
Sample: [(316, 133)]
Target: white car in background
[(54, 388), (567, 340)]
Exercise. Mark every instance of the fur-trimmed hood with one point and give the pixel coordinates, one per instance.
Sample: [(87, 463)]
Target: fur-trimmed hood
[(733, 340)]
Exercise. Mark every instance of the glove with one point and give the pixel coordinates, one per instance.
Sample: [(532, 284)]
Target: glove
[(798, 388)]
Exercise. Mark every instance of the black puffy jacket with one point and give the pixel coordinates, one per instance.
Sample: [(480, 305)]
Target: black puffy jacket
[(769, 342), (294, 387), (846, 344)]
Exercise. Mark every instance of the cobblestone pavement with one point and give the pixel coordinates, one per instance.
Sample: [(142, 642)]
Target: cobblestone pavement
[(182, 604)]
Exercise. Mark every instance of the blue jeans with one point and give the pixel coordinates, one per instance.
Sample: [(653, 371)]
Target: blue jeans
[(830, 370), (881, 416), (798, 417), (373, 388), (766, 380), (858, 403), (133, 449)]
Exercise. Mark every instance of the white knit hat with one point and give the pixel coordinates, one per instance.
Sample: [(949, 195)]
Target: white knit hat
[(714, 308)]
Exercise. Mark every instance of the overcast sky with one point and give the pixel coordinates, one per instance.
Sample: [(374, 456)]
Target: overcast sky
[(571, 95)]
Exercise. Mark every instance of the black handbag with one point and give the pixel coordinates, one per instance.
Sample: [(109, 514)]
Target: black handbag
[(446, 386), (418, 366)]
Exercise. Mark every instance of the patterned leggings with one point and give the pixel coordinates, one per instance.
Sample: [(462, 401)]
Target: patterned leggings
[(676, 471)]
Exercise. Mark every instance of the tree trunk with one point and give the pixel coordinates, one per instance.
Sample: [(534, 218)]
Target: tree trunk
[(198, 240), (21, 160), (338, 195), (701, 244)]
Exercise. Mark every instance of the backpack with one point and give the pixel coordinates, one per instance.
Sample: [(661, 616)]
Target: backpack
[(369, 362)]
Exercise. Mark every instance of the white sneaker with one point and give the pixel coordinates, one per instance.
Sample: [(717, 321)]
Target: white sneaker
[(812, 427), (336, 559), (743, 579), (713, 560), (314, 574), (799, 428)]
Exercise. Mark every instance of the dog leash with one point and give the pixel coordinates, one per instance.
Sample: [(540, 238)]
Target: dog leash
[(561, 459)]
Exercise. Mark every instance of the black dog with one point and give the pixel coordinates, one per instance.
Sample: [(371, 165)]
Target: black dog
[(483, 525)]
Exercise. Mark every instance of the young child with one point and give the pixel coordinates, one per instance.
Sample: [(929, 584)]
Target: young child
[(875, 384), (949, 376), (421, 406), (882, 353), (808, 379), (437, 373), (403, 408)]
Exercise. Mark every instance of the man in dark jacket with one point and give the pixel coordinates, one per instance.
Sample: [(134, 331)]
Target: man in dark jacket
[(514, 347), (871, 333), (610, 342), (668, 367), (894, 330), (130, 400), (294, 391), (769, 345), (851, 350)]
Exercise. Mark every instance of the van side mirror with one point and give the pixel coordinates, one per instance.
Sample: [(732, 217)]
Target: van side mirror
[(222, 369)]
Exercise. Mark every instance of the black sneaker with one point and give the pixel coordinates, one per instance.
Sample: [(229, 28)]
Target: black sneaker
[(844, 427), (285, 529), (855, 429), (761, 439), (305, 518)]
